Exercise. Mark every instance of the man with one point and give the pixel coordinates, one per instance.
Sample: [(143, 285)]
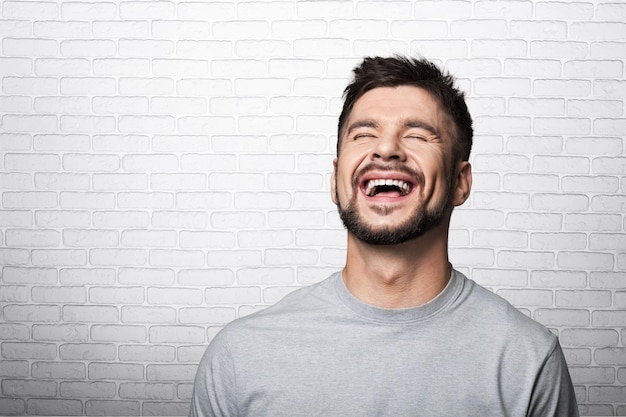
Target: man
[(398, 332)]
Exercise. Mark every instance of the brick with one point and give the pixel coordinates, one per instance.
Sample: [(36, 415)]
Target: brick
[(145, 276), (91, 314), (203, 277), (152, 200), (61, 29), (176, 334), (60, 332), (558, 240), (517, 259), (14, 256), (147, 86), (58, 257), (147, 124), (28, 388), (561, 317), (99, 124), (87, 351), (120, 29), (176, 372), (116, 371), (195, 162), (166, 408), (606, 279), (116, 295), (162, 257), (592, 375), (500, 200), (290, 257), (589, 337), (610, 356), (118, 257), (147, 48), (62, 218), (16, 181), (589, 261), (28, 350), (200, 239), (219, 258), (203, 200), (536, 106), (147, 353), (236, 181), (180, 143), (122, 218), (118, 333), (55, 407), (180, 29), (180, 219), (55, 142), (207, 315), (610, 394), (142, 314), (201, 124), (87, 86), (14, 294), (560, 202), (87, 389), (112, 408), (149, 238), (500, 238), (583, 298), (11, 331), (30, 47), (142, 390), (605, 49), (478, 218), (592, 222), (180, 296), (597, 31), (90, 238), (531, 182), (28, 199), (58, 370), (176, 181), (603, 241), (86, 276), (116, 105), (264, 86), (601, 318), (32, 238), (14, 369), (234, 295)]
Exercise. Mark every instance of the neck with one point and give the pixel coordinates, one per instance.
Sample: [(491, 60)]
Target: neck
[(398, 276)]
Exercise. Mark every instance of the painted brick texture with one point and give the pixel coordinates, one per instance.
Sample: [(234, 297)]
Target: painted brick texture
[(165, 166)]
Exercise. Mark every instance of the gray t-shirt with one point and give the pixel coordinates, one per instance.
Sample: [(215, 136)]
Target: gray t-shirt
[(322, 352)]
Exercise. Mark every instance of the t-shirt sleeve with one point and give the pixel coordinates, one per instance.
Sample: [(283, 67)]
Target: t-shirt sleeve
[(553, 392), (215, 385)]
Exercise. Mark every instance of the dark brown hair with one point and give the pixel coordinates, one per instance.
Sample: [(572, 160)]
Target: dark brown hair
[(395, 71)]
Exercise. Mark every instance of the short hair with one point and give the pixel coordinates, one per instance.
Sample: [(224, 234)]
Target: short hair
[(395, 71)]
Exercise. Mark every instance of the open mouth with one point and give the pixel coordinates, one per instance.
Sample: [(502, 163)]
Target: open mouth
[(387, 187)]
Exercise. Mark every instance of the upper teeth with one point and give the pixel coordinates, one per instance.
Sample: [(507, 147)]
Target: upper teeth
[(371, 184)]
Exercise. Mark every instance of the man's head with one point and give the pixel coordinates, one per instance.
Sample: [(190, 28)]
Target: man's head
[(404, 139), (377, 72)]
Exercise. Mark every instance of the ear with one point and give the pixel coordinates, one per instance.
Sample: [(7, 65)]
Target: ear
[(462, 183), (333, 182)]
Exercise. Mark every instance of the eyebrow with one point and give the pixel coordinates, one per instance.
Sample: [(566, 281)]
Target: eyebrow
[(410, 123)]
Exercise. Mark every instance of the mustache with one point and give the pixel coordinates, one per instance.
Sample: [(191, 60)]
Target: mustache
[(417, 175)]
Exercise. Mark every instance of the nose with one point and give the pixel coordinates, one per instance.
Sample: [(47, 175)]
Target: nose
[(388, 148)]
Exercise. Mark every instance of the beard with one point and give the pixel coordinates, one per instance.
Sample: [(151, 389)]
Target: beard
[(420, 221)]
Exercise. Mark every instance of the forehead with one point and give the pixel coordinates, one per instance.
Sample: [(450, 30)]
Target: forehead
[(397, 103)]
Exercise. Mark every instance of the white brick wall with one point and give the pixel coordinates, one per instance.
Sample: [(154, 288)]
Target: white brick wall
[(164, 168)]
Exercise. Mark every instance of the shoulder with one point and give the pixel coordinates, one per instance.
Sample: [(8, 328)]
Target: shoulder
[(292, 309), (494, 315)]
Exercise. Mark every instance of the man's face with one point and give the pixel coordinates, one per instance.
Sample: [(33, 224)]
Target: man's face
[(393, 178)]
